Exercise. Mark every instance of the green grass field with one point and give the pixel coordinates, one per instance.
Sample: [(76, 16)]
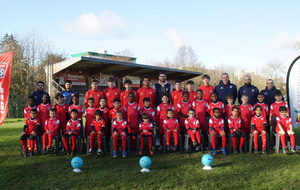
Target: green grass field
[(169, 171)]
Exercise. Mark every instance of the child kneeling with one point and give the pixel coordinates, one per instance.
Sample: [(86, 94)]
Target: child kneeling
[(120, 128), (146, 131), (171, 127)]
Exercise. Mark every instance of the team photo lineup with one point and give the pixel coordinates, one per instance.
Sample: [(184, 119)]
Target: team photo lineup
[(161, 115)]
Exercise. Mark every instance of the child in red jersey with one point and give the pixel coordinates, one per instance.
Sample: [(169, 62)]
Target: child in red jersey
[(61, 111), (125, 93), (183, 109), (263, 105), (234, 125), (97, 130), (113, 112), (274, 109), (111, 92), (51, 130), (147, 109), (89, 114), (132, 110), (259, 126), (30, 102), (207, 88), (171, 127), (146, 131), (215, 103), (104, 109), (229, 106), (245, 114), (193, 128), (200, 107), (75, 105), (43, 111), (146, 91), (72, 130), (216, 127), (161, 114), (176, 95), (285, 127), (190, 89), (120, 129), (93, 93), (30, 129)]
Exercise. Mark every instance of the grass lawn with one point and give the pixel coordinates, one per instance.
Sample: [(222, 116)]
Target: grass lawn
[(169, 171)]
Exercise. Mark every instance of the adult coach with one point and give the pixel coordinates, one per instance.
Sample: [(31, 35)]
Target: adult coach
[(225, 87), (68, 93), (162, 87), (248, 89), (268, 92), (38, 94)]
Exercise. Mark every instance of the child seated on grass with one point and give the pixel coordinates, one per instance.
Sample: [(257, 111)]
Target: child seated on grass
[(51, 130), (171, 127), (30, 129), (146, 131), (259, 126), (120, 129), (97, 130), (216, 127), (72, 130), (193, 128), (285, 127)]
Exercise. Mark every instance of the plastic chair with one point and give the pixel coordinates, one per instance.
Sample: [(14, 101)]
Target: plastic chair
[(138, 144), (38, 146), (186, 143), (229, 143), (127, 146), (179, 143), (56, 140), (251, 141), (103, 144)]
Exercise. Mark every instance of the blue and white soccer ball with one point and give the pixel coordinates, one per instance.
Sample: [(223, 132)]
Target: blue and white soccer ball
[(145, 163), (207, 160), (76, 163)]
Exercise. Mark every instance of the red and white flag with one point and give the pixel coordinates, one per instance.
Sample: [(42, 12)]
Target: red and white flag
[(5, 74)]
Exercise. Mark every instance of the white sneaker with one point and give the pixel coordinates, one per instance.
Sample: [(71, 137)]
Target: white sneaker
[(90, 150), (99, 151)]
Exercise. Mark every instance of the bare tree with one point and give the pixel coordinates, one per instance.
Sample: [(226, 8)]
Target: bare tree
[(125, 56), (186, 57)]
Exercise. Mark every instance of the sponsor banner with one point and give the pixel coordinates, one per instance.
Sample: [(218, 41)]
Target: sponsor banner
[(103, 78), (5, 76), (136, 81), (78, 79)]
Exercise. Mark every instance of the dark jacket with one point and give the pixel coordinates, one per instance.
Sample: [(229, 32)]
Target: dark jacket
[(222, 90), (251, 91), (38, 96), (68, 96), (269, 95)]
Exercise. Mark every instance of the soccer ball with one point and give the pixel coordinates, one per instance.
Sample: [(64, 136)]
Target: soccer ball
[(76, 163), (207, 160), (145, 162)]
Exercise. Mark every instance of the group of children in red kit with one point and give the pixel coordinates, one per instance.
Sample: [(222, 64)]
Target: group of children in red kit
[(128, 115)]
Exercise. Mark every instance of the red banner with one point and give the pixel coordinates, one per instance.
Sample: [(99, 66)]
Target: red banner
[(5, 73), (77, 78)]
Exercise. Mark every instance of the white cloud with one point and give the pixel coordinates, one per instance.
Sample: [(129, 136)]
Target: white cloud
[(107, 23), (176, 37), (285, 40)]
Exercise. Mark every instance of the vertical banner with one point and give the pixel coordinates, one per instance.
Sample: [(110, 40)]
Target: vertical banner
[(293, 91), (5, 73)]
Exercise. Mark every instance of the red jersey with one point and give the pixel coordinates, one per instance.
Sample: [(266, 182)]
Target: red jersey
[(146, 126), (213, 105), (119, 126), (265, 108), (52, 124), (98, 125), (161, 112), (111, 94), (200, 107), (96, 94), (132, 111), (31, 125), (27, 111), (285, 123), (105, 113), (234, 123), (144, 92), (246, 114), (192, 95), (74, 125), (43, 113), (216, 123), (79, 108), (113, 113), (184, 107), (191, 124), (274, 109), (258, 122), (176, 96), (150, 111), (61, 114), (207, 90), (228, 109), (170, 124), (89, 116), (124, 97)]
